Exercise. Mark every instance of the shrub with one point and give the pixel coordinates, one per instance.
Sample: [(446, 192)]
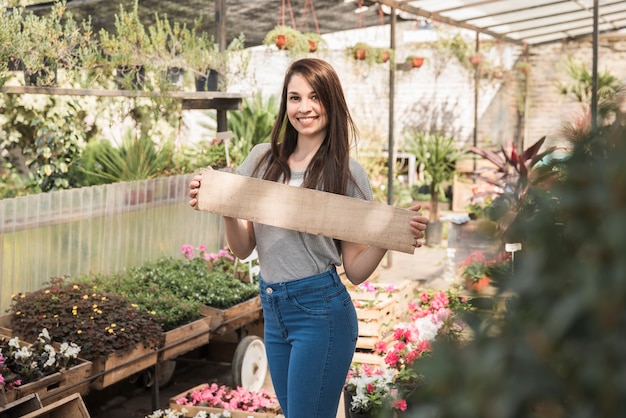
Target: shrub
[(100, 323)]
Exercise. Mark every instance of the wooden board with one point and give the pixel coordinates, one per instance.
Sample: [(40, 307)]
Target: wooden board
[(69, 407), (224, 321), (113, 368), (306, 210), (185, 338)]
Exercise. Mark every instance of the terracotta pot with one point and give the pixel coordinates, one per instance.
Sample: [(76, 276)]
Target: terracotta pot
[(475, 59), (417, 62), (477, 286), (281, 41), (360, 54), (384, 56), (312, 46)]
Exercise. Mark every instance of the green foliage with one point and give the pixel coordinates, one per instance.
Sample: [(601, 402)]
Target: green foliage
[(100, 323), (438, 154), (558, 350), (55, 150), (193, 280), (137, 158)]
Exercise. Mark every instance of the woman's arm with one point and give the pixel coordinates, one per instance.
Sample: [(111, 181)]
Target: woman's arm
[(360, 261), (239, 232)]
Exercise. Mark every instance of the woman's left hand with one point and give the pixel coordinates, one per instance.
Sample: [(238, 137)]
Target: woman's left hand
[(418, 225)]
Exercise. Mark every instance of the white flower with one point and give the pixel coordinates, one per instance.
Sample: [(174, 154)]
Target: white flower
[(70, 350), (44, 334), (22, 354), (14, 342)]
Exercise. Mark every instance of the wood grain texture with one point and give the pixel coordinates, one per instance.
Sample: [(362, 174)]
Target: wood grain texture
[(305, 210)]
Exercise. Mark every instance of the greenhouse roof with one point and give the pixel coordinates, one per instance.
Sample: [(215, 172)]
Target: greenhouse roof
[(531, 22)]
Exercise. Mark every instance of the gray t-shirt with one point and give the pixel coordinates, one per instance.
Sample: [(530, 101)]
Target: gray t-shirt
[(286, 255)]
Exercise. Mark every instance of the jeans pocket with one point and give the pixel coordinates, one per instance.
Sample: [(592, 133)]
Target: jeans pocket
[(311, 302), (353, 321)]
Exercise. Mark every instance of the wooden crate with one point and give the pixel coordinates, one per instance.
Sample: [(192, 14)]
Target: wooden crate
[(186, 337), (115, 367), (55, 386), (226, 320), (193, 410), (368, 357), (69, 407), (20, 407), (5, 325), (378, 320)]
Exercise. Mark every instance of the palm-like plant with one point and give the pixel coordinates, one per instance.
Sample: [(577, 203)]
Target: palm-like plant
[(438, 154)]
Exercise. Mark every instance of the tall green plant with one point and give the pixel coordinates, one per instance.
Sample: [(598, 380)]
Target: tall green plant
[(438, 154), (137, 158)]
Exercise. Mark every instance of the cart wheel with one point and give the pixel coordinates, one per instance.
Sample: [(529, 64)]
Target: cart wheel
[(249, 368), (165, 370)]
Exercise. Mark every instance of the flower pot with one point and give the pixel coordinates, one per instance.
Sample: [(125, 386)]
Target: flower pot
[(477, 286), (210, 83), (312, 45), (175, 75), (417, 62), (384, 56), (281, 41), (476, 59), (434, 233), (360, 54)]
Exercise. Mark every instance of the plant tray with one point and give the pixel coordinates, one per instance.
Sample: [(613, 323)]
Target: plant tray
[(193, 410), (55, 386), (225, 320), (69, 407), (186, 337), (113, 368)]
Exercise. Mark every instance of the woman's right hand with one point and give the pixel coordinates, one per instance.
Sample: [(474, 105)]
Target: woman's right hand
[(194, 186)]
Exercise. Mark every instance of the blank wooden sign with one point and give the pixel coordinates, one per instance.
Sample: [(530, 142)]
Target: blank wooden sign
[(305, 210)]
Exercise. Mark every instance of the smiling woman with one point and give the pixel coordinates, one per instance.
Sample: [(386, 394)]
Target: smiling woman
[(310, 321)]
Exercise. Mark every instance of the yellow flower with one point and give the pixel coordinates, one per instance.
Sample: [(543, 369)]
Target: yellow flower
[(113, 325), (79, 332), (110, 331), (47, 291), (75, 287), (56, 315), (152, 312), (18, 313), (22, 296), (85, 297)]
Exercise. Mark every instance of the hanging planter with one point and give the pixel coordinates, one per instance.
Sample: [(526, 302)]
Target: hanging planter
[(286, 38), (476, 59), (415, 61)]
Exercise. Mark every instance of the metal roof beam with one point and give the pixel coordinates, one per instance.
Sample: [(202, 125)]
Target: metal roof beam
[(564, 22), (402, 5)]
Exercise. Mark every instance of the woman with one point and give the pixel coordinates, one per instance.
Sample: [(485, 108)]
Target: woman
[(310, 322)]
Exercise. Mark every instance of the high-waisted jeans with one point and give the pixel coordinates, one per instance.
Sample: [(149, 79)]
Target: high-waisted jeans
[(311, 330)]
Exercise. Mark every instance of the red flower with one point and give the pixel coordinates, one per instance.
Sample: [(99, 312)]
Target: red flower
[(399, 404)]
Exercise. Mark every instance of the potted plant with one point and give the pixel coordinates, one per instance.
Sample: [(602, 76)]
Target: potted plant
[(315, 41), (165, 50), (125, 49), (478, 271), (46, 42), (288, 39), (415, 61), (438, 155), (362, 52)]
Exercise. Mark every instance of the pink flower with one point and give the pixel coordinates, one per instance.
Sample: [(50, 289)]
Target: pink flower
[(399, 404), (187, 251)]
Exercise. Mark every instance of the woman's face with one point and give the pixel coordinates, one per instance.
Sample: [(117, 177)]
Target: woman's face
[(304, 109)]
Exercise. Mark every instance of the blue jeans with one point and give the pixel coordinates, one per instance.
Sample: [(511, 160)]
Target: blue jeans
[(311, 330)]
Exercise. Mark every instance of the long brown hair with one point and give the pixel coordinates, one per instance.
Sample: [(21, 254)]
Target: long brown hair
[(329, 169)]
